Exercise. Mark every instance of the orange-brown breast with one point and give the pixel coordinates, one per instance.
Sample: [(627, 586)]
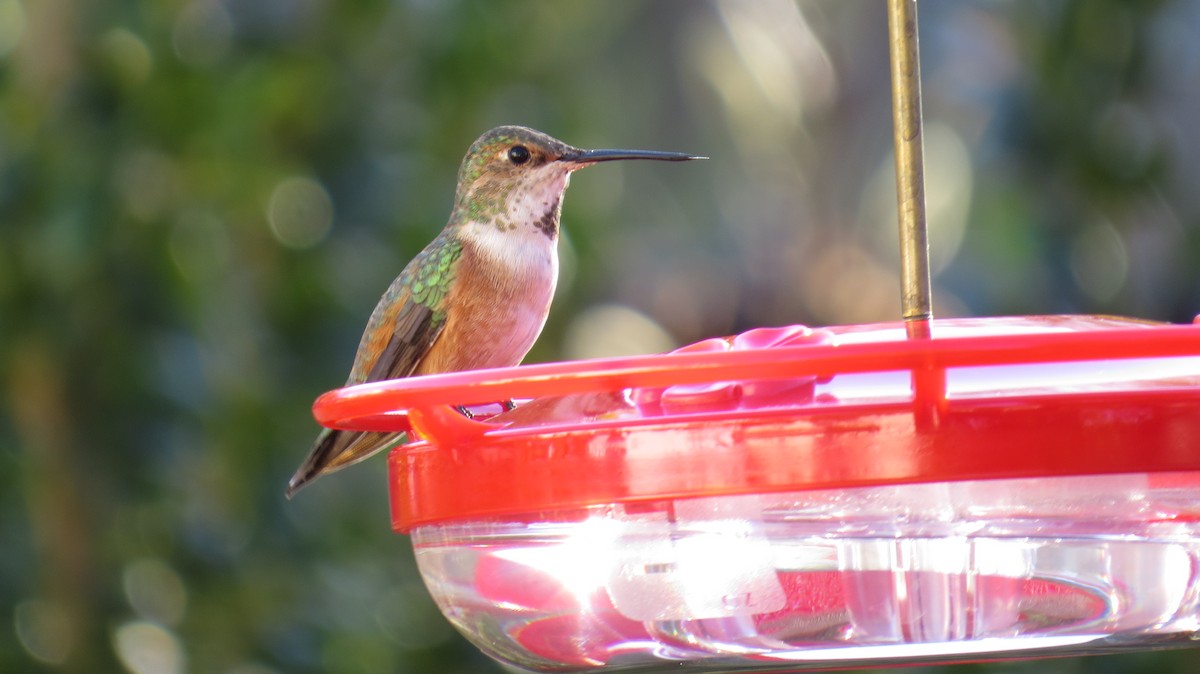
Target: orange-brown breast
[(496, 312)]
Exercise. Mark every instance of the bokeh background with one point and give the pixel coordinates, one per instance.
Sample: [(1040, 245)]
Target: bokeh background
[(201, 201)]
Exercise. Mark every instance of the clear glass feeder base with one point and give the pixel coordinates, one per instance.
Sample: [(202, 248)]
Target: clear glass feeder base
[(936, 572)]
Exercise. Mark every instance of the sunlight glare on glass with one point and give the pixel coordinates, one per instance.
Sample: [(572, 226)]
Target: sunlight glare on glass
[(581, 564)]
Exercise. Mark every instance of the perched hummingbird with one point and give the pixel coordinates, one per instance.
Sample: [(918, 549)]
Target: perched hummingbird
[(478, 295)]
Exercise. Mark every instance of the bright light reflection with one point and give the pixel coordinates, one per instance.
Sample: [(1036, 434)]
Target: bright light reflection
[(580, 564), (919, 651), (146, 648), (727, 572), (1091, 375)]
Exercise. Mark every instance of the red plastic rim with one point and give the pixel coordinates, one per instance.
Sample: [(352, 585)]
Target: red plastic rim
[(1103, 395)]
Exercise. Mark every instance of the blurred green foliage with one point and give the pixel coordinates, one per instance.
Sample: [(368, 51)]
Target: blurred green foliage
[(201, 200)]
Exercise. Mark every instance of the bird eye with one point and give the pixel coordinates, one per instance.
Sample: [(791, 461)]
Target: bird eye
[(518, 154)]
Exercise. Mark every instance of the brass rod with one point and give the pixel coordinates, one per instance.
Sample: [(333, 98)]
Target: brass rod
[(910, 164)]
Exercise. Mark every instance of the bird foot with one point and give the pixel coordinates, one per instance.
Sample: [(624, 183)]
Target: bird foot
[(508, 406)]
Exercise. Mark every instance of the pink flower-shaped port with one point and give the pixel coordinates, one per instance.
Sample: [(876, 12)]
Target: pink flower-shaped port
[(735, 394)]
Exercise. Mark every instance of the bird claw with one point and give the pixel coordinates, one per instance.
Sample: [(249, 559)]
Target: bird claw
[(508, 405)]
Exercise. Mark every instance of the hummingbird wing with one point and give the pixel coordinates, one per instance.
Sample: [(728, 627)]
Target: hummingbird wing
[(403, 328), (415, 332), (409, 317), (411, 335)]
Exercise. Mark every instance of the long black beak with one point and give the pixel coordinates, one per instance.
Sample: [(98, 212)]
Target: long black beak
[(593, 156)]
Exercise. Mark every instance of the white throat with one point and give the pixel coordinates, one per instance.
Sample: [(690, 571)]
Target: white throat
[(525, 235), (521, 249)]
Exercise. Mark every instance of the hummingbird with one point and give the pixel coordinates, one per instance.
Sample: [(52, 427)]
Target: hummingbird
[(478, 295)]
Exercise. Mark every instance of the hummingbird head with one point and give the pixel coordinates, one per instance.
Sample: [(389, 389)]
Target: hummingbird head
[(514, 177)]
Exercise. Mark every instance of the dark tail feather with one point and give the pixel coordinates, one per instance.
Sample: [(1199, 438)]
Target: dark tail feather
[(323, 451), (335, 450)]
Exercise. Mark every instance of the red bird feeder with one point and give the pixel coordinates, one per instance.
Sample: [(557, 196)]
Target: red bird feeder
[(795, 498)]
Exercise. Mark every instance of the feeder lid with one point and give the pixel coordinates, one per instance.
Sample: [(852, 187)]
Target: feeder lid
[(791, 408)]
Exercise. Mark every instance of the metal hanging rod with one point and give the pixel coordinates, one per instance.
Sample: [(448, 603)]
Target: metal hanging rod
[(916, 301)]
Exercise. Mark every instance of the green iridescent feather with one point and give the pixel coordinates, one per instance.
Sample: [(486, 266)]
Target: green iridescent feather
[(430, 275), (426, 281)]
